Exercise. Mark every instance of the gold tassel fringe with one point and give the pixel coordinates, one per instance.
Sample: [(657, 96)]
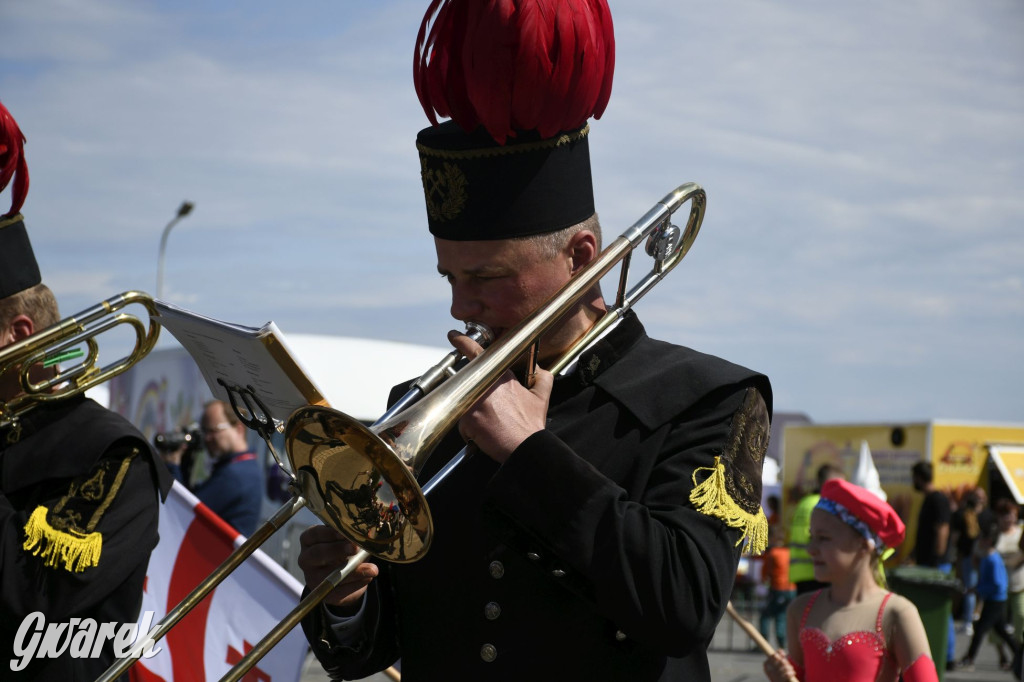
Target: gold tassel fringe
[(74, 551), (710, 497)]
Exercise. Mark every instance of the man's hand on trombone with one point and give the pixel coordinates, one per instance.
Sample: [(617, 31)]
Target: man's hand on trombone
[(508, 413), (324, 550)]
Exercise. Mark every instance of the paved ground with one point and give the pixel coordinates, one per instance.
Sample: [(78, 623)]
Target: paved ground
[(743, 665)]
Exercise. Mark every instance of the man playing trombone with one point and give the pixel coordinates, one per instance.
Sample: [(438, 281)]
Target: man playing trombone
[(593, 532), (79, 486)]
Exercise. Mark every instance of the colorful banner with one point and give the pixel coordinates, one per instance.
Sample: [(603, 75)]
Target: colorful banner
[(224, 626)]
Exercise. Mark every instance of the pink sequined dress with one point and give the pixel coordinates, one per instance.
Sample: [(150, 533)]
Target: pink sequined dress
[(859, 656)]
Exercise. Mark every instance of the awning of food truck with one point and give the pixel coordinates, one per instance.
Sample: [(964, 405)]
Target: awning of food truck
[(1009, 459)]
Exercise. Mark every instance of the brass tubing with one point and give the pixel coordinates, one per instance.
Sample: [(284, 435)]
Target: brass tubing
[(244, 551), (83, 327), (294, 617)]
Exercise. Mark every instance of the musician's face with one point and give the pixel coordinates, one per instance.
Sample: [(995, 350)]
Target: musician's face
[(19, 328), (10, 384), (500, 282)]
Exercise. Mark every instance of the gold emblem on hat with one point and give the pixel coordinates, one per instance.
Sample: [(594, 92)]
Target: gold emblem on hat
[(445, 190)]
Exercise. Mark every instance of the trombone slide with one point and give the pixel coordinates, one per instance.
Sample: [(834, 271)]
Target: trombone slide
[(294, 617), (203, 589)]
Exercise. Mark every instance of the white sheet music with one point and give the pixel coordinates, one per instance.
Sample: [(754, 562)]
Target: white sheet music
[(245, 358)]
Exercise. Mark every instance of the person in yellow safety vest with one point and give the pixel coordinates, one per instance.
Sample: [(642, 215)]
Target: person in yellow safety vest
[(801, 569)]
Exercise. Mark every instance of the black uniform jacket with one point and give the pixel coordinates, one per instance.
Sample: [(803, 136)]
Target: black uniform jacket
[(93, 475), (582, 557)]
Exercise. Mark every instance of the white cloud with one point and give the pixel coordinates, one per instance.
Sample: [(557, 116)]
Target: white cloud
[(863, 166)]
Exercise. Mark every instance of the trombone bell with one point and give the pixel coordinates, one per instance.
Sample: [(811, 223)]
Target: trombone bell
[(351, 478)]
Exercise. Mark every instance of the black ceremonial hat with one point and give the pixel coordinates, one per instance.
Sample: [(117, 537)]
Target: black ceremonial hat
[(18, 269), (519, 82), (476, 189)]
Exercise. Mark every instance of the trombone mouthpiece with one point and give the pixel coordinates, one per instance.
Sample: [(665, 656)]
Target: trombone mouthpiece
[(480, 333)]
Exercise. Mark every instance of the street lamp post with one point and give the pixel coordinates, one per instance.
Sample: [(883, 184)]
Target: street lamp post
[(183, 210)]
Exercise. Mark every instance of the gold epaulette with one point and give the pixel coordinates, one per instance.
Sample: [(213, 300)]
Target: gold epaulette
[(69, 549), (711, 497)]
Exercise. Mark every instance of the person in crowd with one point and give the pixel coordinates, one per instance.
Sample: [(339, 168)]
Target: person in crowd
[(964, 531), (772, 512), (931, 546), (780, 590), (992, 590), (595, 530), (1008, 546), (80, 487), (801, 569), (853, 629), (234, 488)]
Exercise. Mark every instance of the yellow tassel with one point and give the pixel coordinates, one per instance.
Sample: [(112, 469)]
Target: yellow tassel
[(76, 552), (710, 497)]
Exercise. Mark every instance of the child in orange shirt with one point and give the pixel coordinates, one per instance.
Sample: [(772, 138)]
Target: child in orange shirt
[(780, 590)]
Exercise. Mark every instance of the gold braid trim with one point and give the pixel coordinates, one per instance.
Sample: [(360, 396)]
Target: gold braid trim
[(711, 498), (114, 487), (486, 152), (74, 550), (10, 220)]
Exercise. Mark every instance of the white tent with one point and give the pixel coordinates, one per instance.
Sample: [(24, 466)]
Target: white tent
[(355, 374)]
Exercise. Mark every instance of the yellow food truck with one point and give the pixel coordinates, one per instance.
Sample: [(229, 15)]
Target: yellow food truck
[(964, 455)]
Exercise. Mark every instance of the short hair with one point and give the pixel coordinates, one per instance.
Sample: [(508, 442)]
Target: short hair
[(972, 497), (827, 472), (550, 244), (923, 471), (1004, 506), (229, 411), (36, 302)]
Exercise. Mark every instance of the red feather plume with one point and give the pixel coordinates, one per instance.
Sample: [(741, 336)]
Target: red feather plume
[(12, 160), (515, 65)]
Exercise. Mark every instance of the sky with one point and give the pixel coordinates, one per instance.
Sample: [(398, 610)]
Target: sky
[(863, 164)]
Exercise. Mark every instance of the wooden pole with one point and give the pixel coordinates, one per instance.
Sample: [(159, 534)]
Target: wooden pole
[(753, 633)]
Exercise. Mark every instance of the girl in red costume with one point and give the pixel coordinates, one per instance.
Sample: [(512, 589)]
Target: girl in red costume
[(853, 630)]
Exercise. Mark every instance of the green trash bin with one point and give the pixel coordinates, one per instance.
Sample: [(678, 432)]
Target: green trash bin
[(932, 592)]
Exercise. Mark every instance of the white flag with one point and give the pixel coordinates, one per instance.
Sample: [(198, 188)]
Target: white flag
[(225, 625), (866, 475)]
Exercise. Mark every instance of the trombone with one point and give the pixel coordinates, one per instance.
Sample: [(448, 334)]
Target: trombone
[(389, 517), (362, 480), (61, 341)]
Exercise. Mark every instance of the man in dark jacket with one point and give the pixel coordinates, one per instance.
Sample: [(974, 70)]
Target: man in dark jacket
[(596, 531), (234, 488), (79, 490), (931, 546)]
